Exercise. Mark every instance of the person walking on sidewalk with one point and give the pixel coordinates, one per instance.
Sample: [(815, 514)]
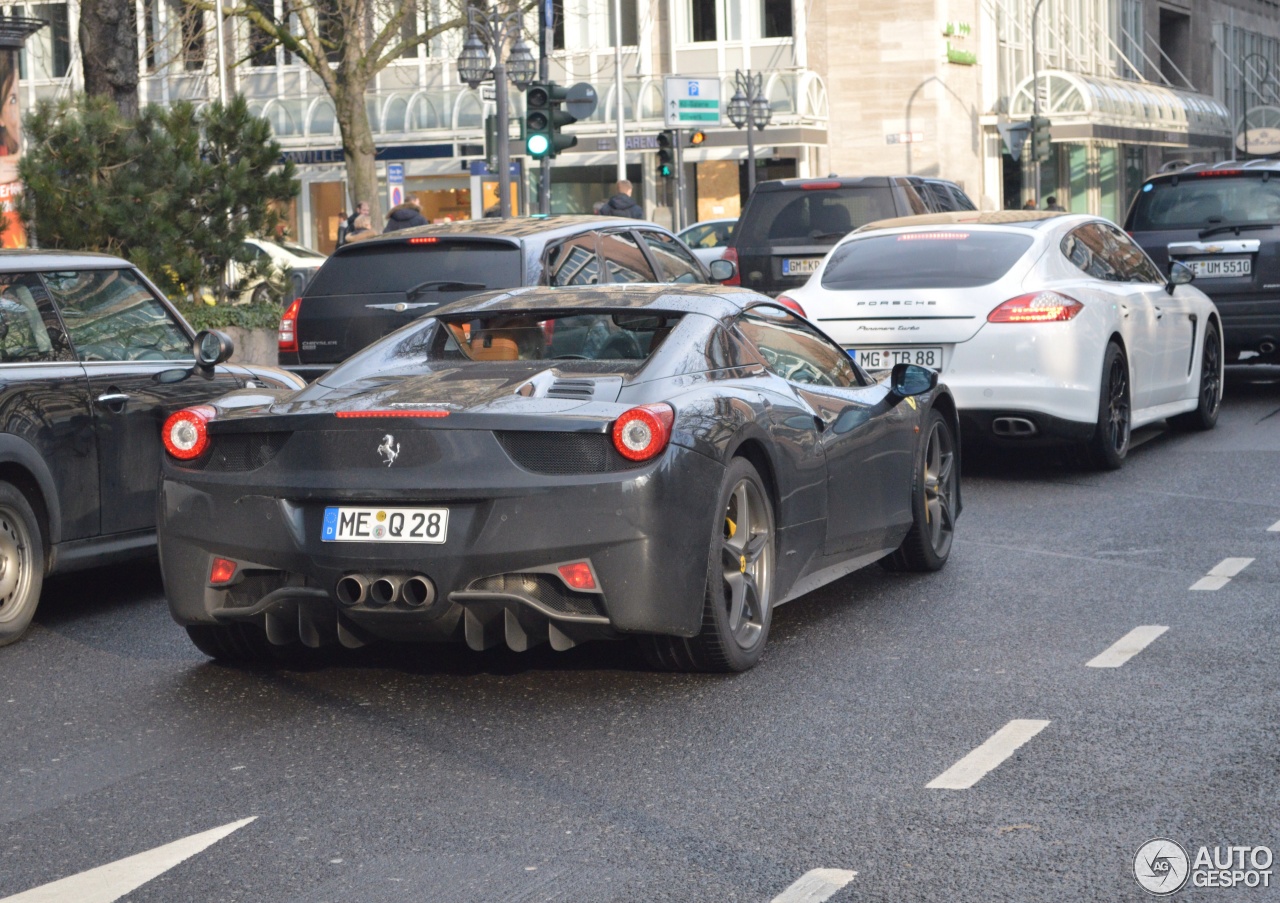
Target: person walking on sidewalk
[(622, 204)]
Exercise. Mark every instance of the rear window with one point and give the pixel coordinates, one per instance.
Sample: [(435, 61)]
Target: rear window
[(1198, 202), (539, 335), (806, 217), (951, 258), (444, 266)]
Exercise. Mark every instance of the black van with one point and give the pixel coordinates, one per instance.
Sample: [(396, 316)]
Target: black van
[(1223, 221)]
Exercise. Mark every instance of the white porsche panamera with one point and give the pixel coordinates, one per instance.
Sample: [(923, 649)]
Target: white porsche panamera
[(1047, 327)]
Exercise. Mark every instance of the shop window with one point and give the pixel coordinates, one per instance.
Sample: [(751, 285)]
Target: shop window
[(775, 19)]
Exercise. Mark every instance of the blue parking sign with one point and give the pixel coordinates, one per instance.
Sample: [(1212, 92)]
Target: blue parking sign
[(693, 89)]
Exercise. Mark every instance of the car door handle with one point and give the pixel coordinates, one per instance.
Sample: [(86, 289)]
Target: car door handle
[(1159, 314), (1125, 308), (107, 399)]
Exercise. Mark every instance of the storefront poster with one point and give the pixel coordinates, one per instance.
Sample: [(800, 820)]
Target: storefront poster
[(12, 233)]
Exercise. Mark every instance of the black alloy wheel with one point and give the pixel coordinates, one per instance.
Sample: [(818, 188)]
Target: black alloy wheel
[(927, 545), (1205, 415), (1110, 443)]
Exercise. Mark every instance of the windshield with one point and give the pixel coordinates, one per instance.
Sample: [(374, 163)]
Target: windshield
[(542, 335), (811, 216), (431, 268), (1205, 202), (947, 258)]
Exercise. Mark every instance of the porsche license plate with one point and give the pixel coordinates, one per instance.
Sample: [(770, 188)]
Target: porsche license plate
[(885, 358), (1221, 267), (799, 266), (385, 524)]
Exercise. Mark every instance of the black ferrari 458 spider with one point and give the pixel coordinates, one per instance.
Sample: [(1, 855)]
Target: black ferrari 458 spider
[(561, 465)]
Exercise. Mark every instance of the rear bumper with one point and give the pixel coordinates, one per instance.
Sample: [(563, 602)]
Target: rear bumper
[(1010, 426), (644, 532)]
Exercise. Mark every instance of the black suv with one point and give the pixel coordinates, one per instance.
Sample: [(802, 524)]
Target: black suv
[(789, 225), (1223, 221), (92, 361), (371, 287)]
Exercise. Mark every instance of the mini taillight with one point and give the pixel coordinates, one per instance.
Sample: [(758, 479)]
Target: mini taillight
[(819, 186), (222, 571), (791, 304), (731, 254), (577, 575), (642, 433), (1036, 307), (1218, 172), (287, 342), (186, 434), (424, 240)]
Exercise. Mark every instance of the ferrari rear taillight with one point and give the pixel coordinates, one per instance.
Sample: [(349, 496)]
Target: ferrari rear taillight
[(731, 254), (186, 433), (791, 304), (1036, 307), (577, 574), (288, 340), (642, 433), (222, 571)]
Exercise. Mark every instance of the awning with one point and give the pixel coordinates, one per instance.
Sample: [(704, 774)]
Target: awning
[(1083, 107)]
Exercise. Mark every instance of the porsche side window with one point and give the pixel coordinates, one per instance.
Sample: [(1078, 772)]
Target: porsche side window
[(1137, 265), (676, 263), (575, 262), (1093, 252), (623, 259), (795, 351), (112, 316)]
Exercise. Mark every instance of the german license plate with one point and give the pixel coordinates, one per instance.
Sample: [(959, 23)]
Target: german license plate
[(885, 358), (800, 266), (1221, 267), (385, 524)]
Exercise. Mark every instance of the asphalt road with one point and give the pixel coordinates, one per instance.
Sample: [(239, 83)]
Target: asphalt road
[(443, 775)]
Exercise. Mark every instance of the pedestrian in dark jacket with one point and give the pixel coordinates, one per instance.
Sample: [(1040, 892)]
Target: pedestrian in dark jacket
[(622, 204), (402, 216)]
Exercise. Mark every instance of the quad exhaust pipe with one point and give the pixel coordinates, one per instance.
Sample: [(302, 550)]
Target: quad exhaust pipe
[(411, 590)]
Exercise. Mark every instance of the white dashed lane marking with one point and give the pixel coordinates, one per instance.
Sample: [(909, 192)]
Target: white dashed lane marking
[(114, 880), (1222, 573), (815, 886), (1000, 746), (1274, 528), (1127, 647)]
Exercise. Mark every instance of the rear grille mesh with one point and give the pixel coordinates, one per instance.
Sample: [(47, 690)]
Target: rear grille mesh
[(562, 454), (541, 588), (237, 452)]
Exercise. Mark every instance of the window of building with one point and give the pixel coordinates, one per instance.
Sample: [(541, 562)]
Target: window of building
[(410, 28), (50, 47), (193, 35), (1129, 64), (262, 46), (630, 25), (775, 18), (702, 19)]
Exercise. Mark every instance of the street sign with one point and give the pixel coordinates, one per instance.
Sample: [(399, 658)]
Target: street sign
[(1014, 135), (395, 184), (580, 101), (488, 93), (691, 101)]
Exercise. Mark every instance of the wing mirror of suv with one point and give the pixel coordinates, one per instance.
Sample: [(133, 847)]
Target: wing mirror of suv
[(722, 270), (908, 379), (212, 348), (1179, 274)]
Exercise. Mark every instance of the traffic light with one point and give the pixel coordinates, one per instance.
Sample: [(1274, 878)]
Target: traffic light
[(1040, 138), (696, 137), (666, 156), (544, 118)]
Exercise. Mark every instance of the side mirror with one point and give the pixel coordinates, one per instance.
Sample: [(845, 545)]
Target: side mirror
[(211, 348), (722, 270), (908, 379), (1179, 274)]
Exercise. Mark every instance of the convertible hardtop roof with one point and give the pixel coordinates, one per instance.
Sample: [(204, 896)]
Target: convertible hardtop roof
[(516, 228), (12, 259), (1032, 219), (713, 300)]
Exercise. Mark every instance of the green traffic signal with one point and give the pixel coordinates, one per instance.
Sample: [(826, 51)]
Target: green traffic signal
[(1041, 148), (537, 145), (544, 118)]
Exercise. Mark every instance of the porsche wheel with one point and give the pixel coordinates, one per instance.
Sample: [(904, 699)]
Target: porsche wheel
[(21, 564), (933, 502), (1110, 443), (1205, 416), (738, 607)]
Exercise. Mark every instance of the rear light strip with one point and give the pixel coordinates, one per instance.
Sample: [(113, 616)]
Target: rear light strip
[(1036, 307), (396, 412), (287, 343), (791, 304)]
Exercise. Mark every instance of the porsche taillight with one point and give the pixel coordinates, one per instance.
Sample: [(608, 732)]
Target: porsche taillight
[(643, 432), (288, 340), (1036, 307), (186, 433), (731, 254), (791, 304)]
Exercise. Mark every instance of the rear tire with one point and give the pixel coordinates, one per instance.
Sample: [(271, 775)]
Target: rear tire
[(1110, 443), (738, 603), (21, 564), (927, 545), (1205, 416), (247, 644)]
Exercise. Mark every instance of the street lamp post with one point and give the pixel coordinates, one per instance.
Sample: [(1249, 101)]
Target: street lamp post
[(492, 30), (1244, 88), (749, 107), (1035, 93)]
